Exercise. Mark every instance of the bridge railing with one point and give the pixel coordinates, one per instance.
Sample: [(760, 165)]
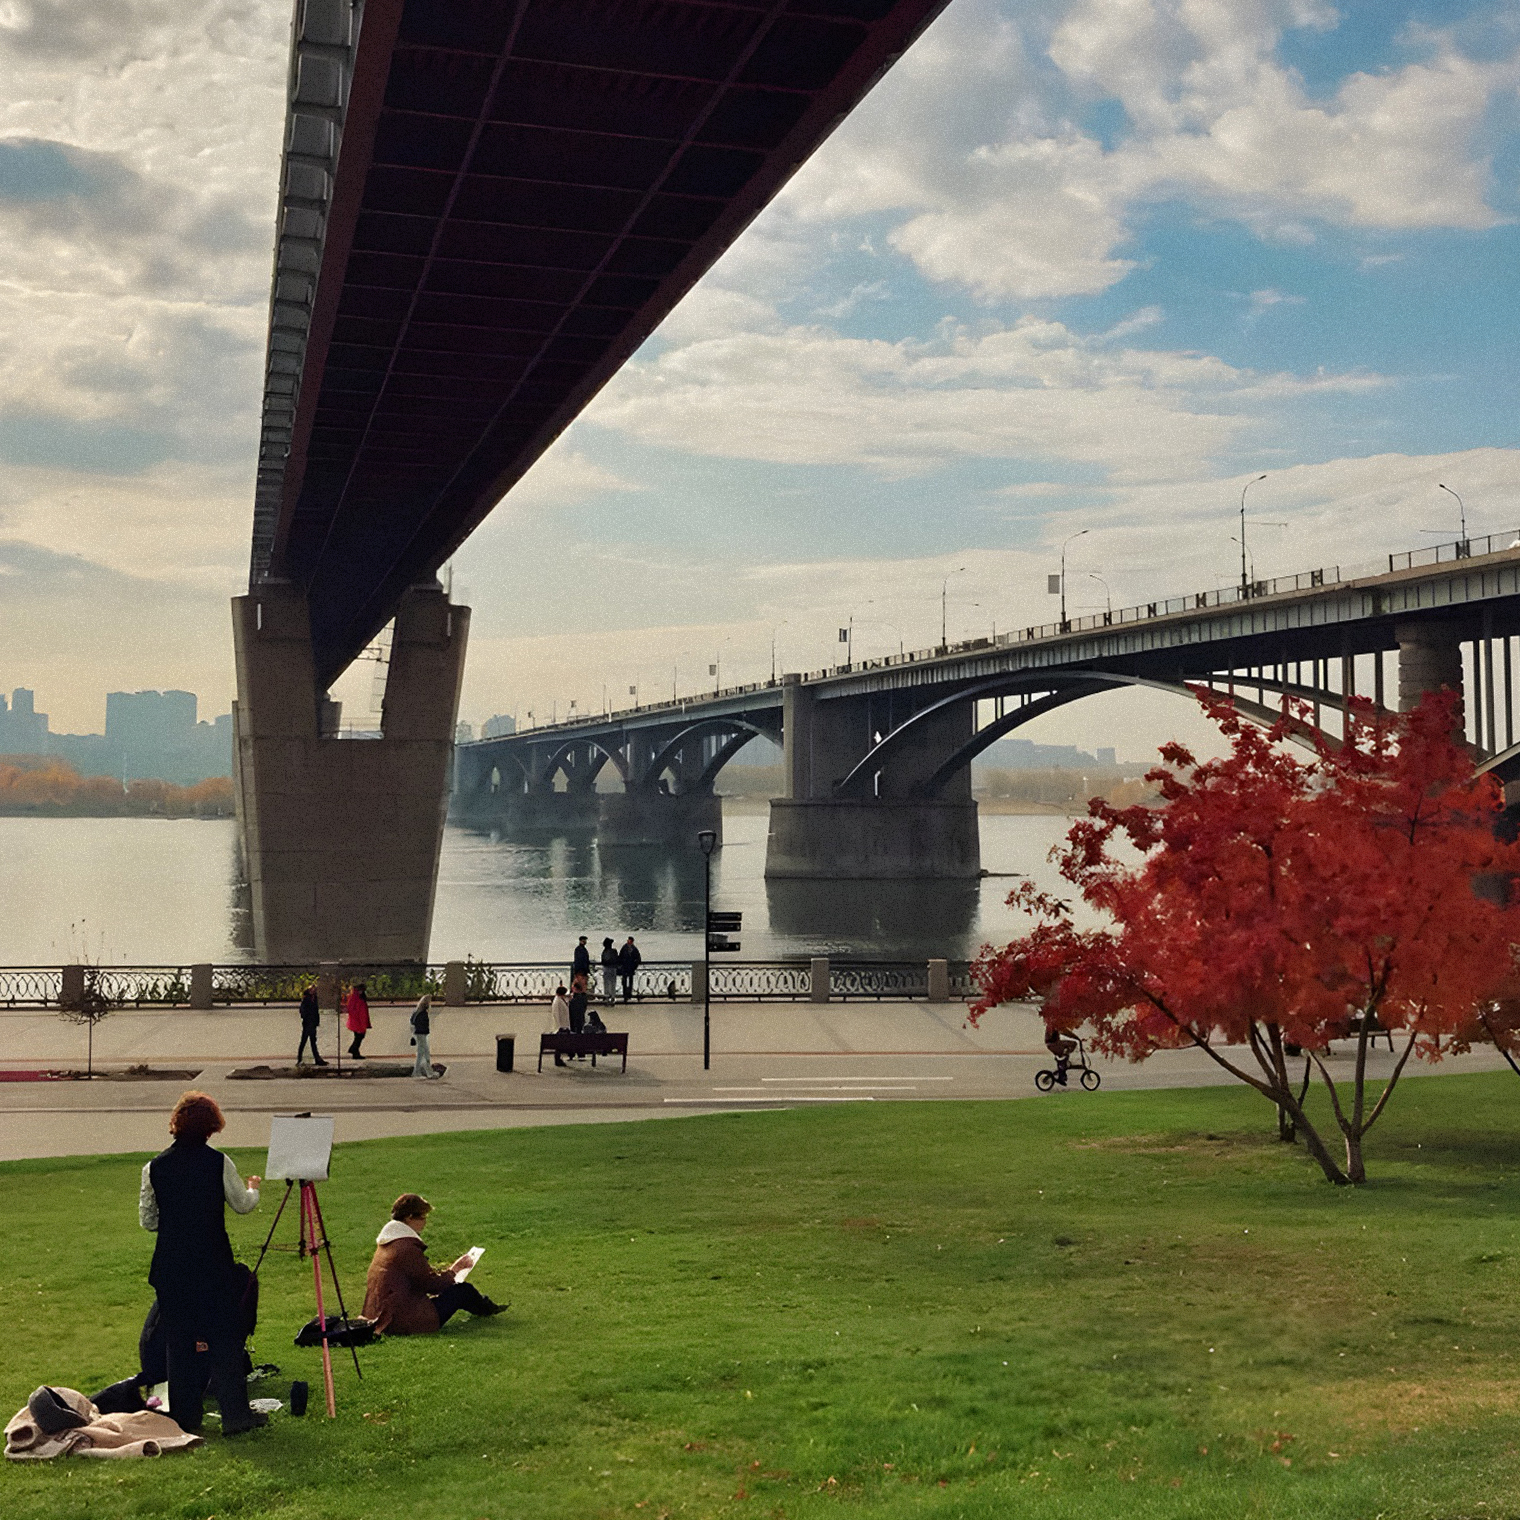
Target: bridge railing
[(231, 985)]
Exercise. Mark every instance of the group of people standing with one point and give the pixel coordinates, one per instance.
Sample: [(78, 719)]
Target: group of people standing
[(357, 1020), (616, 965)]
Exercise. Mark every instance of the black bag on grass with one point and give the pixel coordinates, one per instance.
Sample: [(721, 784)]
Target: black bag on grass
[(340, 1332)]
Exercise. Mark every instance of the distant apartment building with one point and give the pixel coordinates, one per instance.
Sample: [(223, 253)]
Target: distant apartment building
[(463, 732), (23, 730)]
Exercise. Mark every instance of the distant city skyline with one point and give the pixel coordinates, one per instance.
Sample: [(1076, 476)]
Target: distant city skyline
[(149, 734)]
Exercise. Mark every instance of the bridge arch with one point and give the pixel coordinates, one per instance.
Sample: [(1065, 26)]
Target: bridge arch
[(1058, 691), (560, 761), (740, 731)]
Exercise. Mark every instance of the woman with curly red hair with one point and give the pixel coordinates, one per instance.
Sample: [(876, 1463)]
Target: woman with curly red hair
[(183, 1193)]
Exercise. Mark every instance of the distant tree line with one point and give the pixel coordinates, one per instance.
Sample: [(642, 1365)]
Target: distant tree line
[(44, 786)]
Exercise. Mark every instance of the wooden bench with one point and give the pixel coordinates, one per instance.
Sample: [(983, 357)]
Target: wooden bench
[(564, 1042)]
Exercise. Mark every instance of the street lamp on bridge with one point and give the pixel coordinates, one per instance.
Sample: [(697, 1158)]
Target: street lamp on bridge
[(1461, 505), (1245, 579), (1080, 533), (944, 602)]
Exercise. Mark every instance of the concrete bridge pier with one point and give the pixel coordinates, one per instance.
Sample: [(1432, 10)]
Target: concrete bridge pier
[(341, 836), (837, 823), (1430, 659)]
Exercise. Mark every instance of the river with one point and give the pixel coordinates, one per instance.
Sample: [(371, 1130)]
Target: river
[(144, 891)]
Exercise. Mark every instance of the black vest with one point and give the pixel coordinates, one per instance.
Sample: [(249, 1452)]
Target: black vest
[(192, 1269)]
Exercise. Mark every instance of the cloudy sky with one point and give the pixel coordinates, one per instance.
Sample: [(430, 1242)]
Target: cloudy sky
[(1074, 265)]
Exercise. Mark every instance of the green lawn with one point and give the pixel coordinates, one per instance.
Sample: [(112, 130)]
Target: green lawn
[(1130, 1303)]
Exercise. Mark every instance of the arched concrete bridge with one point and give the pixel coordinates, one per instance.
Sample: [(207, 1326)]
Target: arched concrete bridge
[(878, 754), (485, 207)]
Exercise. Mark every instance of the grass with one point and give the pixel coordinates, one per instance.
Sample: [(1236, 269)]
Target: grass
[(1134, 1303)]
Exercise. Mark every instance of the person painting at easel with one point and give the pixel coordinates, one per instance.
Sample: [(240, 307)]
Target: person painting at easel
[(182, 1196)]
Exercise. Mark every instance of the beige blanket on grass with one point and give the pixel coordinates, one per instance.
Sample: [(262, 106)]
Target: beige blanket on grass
[(146, 1434)]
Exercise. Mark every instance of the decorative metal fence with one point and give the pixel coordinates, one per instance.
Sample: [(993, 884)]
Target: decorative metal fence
[(30, 986), (484, 982), (760, 981), (143, 986)]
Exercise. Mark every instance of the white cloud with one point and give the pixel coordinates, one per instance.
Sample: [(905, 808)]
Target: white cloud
[(561, 477), (971, 146), (1036, 390)]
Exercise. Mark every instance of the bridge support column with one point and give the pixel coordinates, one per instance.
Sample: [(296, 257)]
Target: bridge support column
[(341, 836), (894, 835), (1430, 659), (642, 817)]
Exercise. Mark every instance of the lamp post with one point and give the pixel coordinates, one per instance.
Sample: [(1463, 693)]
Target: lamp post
[(1108, 595), (1245, 579), (1080, 533), (944, 602), (707, 840), (1461, 505)]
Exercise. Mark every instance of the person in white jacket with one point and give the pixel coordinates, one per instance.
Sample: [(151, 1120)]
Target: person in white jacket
[(559, 1015)]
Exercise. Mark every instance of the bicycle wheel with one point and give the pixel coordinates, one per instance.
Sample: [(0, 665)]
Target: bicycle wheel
[(1044, 1080), (1091, 1080)]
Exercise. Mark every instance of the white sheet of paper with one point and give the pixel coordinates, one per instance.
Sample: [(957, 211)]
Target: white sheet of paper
[(300, 1149), (474, 1254)]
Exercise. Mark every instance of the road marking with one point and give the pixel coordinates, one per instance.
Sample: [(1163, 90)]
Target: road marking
[(822, 1087), (832, 1078), (778, 1098)]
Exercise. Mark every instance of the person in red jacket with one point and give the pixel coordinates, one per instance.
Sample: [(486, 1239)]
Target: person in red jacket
[(356, 1016), (403, 1294)]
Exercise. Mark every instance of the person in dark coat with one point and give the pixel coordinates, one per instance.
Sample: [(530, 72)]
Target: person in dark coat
[(403, 1293), (629, 961), (182, 1198), (311, 1017), (609, 971), (577, 1004), (580, 961)]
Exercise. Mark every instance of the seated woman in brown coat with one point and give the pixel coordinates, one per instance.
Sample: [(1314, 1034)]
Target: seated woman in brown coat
[(403, 1294)]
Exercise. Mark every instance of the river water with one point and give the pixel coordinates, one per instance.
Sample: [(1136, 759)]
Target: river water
[(145, 891)]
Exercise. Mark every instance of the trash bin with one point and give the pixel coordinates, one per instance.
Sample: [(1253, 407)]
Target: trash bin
[(505, 1045)]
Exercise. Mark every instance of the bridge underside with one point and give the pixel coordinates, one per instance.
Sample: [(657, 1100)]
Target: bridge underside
[(487, 207)]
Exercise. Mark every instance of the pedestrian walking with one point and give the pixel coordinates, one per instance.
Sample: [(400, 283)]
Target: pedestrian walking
[(580, 961), (609, 972), (629, 961), (311, 1017), (422, 1067), (356, 1016)]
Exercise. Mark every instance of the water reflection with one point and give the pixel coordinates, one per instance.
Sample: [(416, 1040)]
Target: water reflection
[(913, 920), (153, 892)]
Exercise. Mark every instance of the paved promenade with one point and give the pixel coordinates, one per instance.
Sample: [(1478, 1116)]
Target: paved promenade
[(764, 1055)]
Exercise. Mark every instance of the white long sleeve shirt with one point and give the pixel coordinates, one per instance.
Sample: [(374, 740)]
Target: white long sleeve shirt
[(240, 1200)]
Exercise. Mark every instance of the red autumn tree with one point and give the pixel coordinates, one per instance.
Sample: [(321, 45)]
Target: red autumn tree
[(1283, 902)]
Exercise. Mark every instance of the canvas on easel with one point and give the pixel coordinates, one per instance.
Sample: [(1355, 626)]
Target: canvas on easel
[(300, 1152), (300, 1147)]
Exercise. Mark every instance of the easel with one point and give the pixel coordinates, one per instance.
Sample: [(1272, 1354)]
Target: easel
[(313, 1239)]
